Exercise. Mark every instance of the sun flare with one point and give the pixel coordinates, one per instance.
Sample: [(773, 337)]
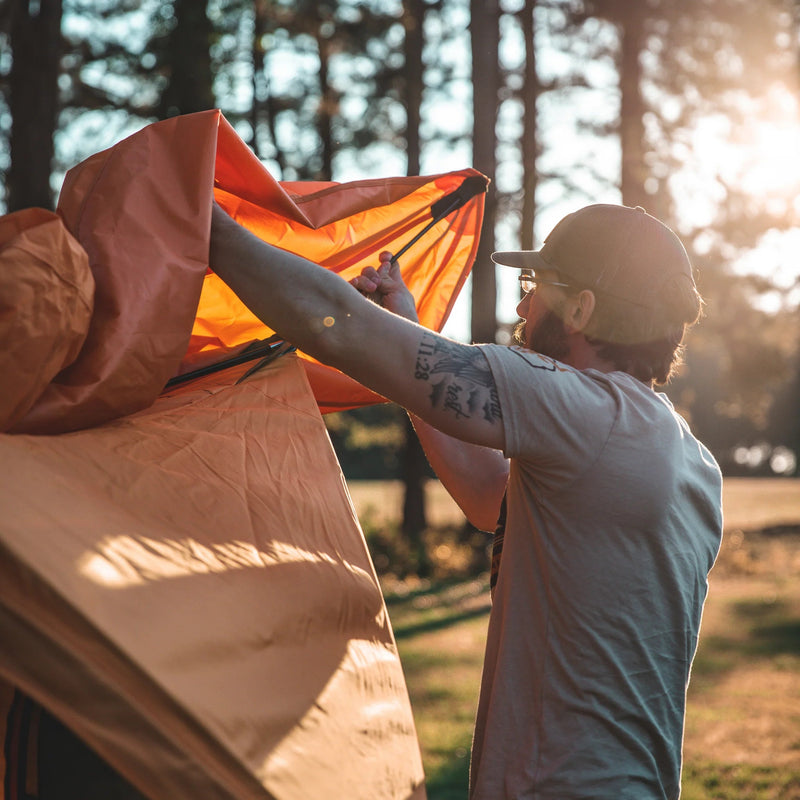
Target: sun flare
[(767, 150)]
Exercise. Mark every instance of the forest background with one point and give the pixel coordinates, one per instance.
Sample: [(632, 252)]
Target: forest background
[(690, 108)]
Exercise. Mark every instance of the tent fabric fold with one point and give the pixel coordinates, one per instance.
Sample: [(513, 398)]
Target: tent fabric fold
[(46, 303), (141, 210)]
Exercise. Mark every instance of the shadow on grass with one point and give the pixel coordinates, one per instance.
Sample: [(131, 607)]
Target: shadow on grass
[(780, 638), (767, 630), (450, 781), (439, 588), (406, 631)]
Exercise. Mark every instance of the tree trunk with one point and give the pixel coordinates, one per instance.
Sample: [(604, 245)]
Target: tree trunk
[(632, 110), (327, 108), (485, 35), (413, 20), (414, 463), (530, 141), (190, 86), (260, 88), (33, 101)]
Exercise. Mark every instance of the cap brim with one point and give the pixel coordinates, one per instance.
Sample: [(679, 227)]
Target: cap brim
[(521, 259)]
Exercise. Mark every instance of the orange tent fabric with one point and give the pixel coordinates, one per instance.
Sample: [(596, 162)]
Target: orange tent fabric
[(188, 589), (46, 303), (141, 210), (183, 579)]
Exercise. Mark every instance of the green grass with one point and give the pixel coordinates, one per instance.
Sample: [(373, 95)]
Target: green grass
[(440, 630), (710, 781)]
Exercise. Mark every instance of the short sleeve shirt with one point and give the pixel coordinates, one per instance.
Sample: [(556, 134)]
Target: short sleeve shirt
[(613, 523)]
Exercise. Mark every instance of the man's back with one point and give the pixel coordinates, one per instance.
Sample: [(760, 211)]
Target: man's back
[(613, 524)]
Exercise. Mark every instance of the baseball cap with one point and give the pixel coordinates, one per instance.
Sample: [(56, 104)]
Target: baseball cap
[(622, 251)]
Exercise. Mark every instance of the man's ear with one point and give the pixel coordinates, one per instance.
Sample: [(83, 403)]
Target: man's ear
[(579, 308)]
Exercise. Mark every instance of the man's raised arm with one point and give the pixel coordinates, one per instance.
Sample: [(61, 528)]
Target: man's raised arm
[(444, 382), (474, 476)]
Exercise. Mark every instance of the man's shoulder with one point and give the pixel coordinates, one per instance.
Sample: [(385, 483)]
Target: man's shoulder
[(528, 368), (515, 356)]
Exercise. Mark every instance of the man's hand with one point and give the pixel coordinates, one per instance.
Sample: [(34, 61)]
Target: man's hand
[(385, 287), (475, 476)]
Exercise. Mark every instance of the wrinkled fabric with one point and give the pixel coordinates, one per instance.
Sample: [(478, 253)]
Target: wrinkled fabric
[(46, 303), (141, 210), (189, 590)]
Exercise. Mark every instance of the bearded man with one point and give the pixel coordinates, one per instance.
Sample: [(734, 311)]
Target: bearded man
[(611, 508)]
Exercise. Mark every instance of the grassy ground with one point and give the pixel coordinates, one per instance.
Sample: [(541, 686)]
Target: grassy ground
[(743, 720)]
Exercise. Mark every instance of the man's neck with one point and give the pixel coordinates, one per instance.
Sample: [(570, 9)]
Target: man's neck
[(583, 355)]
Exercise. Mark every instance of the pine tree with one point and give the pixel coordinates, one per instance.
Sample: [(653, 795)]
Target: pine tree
[(32, 87), (485, 35)]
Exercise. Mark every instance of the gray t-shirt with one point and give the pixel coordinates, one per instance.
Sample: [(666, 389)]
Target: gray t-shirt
[(614, 521)]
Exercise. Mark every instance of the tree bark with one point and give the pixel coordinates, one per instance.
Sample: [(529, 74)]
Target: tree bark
[(485, 36), (260, 88), (413, 20), (191, 81), (33, 101), (530, 139), (327, 106), (414, 463), (632, 109)]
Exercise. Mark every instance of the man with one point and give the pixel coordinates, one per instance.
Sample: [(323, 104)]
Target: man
[(613, 507)]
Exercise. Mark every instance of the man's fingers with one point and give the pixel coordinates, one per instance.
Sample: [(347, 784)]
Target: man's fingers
[(364, 284), (372, 282), (368, 280), (385, 266)]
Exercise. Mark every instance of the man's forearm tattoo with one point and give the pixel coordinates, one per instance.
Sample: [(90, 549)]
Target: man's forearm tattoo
[(465, 385)]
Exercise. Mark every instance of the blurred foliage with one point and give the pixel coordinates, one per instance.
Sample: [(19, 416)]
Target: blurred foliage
[(368, 441)]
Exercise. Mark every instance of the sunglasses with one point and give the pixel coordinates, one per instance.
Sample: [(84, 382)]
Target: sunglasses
[(529, 283)]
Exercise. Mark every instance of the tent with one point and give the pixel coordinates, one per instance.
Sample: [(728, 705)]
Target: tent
[(183, 579)]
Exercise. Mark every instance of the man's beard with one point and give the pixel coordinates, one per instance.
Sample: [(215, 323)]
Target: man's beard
[(548, 337)]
